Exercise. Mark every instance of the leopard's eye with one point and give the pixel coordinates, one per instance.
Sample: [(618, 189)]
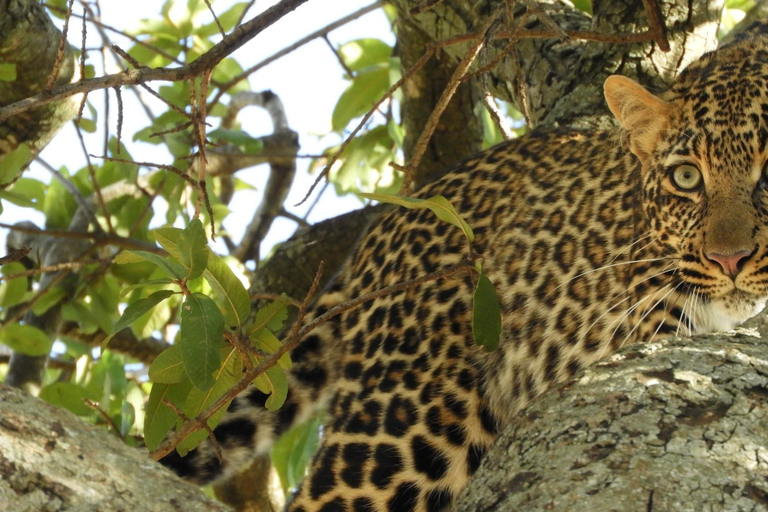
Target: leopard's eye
[(686, 177)]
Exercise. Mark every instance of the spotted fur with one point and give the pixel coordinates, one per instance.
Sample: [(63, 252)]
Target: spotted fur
[(591, 243)]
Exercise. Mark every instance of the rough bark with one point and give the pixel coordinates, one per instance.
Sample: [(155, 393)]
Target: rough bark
[(51, 460), (679, 425), (29, 40), (563, 80)]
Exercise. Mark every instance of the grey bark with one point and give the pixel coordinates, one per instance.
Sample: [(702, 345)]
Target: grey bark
[(680, 425), (563, 80), (51, 460), (29, 40)]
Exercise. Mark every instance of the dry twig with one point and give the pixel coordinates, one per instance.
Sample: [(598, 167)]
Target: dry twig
[(60, 52)]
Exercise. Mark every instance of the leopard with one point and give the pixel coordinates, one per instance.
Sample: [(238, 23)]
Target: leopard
[(593, 239)]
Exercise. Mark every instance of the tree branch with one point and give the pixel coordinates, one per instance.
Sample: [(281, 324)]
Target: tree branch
[(238, 37)]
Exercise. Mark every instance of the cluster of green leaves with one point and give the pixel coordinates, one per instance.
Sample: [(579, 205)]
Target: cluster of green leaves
[(364, 163), (201, 366)]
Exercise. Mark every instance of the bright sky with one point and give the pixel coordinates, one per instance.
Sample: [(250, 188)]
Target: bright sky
[(309, 82)]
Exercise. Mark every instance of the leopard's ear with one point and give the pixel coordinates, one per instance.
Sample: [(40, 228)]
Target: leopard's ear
[(638, 111)]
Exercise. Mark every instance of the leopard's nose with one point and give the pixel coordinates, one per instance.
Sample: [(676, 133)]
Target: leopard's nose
[(730, 263)]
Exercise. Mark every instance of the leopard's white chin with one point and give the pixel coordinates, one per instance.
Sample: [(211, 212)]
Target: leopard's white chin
[(727, 313)]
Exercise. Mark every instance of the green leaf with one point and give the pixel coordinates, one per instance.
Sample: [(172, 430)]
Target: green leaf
[(197, 401), (7, 72), (273, 381), (243, 141), (12, 164), (169, 266), (364, 53), (294, 450), (486, 314), (202, 327), (269, 343), (26, 339), (67, 395), (127, 417), (365, 166), (228, 290), (438, 204), (58, 204), (159, 418), (12, 291), (583, 5), (193, 247), (366, 89), (168, 367), (49, 299), (152, 282), (168, 238), (136, 311), (272, 316), (26, 192), (87, 125)]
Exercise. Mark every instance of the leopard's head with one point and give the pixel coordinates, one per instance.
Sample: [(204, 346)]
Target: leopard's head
[(703, 146)]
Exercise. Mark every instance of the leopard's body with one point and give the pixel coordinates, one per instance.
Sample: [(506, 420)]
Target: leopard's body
[(593, 240)]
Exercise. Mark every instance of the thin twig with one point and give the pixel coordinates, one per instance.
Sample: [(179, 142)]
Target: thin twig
[(81, 201), (15, 255), (192, 181), (119, 96), (423, 6), (69, 265), (497, 116), (95, 181), (274, 297), (204, 425), (60, 52), (83, 53), (336, 54), (93, 405), (99, 239), (101, 25), (215, 18), (656, 24)]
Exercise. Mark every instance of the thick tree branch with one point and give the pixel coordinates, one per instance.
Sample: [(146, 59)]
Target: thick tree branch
[(677, 425), (52, 460)]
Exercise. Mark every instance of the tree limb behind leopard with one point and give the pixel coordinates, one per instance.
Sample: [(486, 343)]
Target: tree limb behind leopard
[(592, 239)]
